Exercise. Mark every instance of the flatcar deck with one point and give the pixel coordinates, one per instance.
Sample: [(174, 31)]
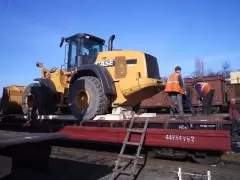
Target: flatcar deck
[(72, 118), (27, 138), (26, 150), (217, 122)]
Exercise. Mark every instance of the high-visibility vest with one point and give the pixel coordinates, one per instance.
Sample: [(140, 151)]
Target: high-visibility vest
[(173, 84), (205, 88)]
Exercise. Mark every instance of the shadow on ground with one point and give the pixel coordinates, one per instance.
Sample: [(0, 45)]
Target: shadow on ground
[(61, 169)]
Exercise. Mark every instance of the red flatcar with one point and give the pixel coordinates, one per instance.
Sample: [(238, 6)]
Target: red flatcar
[(166, 137)]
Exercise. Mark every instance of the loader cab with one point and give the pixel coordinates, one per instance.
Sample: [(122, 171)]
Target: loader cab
[(82, 49)]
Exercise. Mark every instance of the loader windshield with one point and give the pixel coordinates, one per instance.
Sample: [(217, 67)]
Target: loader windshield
[(83, 51), (90, 47), (89, 50)]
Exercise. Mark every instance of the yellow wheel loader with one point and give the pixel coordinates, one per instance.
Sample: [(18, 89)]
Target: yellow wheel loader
[(91, 83)]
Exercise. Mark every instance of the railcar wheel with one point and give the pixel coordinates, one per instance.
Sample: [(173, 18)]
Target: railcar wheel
[(206, 158), (170, 153), (236, 130), (216, 110), (141, 111), (87, 98)]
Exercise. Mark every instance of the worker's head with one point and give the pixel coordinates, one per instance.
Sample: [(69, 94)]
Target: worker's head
[(178, 69)]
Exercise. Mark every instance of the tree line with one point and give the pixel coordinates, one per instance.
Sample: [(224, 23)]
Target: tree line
[(200, 71)]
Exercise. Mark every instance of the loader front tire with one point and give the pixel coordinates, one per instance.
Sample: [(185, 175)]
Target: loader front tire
[(87, 98)]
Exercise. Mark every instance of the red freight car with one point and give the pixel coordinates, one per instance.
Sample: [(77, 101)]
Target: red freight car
[(218, 83), (234, 97), (160, 101)]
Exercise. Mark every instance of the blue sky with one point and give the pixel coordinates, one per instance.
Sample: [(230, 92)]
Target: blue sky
[(174, 31)]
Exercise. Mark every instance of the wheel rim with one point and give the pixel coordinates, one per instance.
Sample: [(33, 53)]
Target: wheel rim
[(82, 99), (30, 101)]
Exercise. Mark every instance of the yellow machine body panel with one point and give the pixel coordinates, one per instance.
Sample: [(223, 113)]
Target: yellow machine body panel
[(132, 75), (131, 71), (59, 77)]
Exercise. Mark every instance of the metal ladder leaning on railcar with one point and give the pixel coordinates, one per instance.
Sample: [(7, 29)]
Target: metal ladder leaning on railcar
[(131, 174)]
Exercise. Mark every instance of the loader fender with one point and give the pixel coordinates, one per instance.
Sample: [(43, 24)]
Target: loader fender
[(98, 71), (47, 83)]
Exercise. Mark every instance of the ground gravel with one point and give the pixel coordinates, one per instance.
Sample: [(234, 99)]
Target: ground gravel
[(80, 167)]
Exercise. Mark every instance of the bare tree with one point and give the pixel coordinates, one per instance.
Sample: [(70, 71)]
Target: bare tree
[(193, 75), (210, 72), (199, 68), (226, 69), (165, 78), (202, 67), (187, 76)]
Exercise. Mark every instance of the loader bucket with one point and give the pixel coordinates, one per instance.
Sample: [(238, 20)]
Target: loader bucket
[(11, 102)]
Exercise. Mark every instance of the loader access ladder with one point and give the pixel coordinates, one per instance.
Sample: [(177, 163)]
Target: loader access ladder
[(131, 174)]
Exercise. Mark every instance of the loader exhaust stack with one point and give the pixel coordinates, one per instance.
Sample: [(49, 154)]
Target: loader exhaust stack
[(110, 43)]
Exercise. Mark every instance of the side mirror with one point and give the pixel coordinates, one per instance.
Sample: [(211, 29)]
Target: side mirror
[(38, 64), (62, 41)]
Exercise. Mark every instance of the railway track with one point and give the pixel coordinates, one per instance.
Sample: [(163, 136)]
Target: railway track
[(108, 158), (106, 155)]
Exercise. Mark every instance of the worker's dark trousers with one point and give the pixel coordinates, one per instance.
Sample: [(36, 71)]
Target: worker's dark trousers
[(188, 103), (207, 103), (176, 99)]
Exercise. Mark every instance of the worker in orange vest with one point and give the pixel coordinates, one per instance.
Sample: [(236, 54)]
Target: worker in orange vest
[(206, 93), (175, 89)]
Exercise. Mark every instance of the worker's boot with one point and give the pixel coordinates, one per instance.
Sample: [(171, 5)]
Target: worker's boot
[(172, 111), (209, 112), (181, 114), (205, 112), (193, 111)]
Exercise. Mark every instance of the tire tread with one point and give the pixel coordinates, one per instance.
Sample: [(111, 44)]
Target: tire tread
[(103, 104)]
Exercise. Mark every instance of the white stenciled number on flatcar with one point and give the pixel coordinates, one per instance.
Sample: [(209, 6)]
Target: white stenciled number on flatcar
[(180, 138)]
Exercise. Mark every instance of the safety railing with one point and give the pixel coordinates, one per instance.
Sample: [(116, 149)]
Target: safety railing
[(180, 174)]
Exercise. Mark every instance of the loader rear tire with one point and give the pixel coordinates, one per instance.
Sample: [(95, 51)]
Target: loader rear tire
[(87, 98), (37, 98), (32, 98)]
